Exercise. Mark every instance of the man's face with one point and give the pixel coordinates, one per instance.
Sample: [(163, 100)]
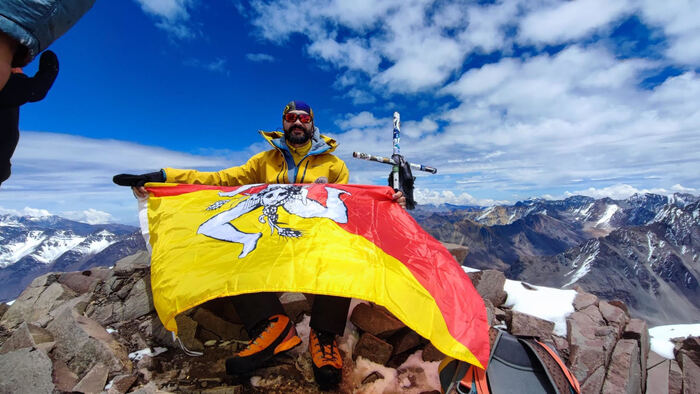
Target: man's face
[(297, 133)]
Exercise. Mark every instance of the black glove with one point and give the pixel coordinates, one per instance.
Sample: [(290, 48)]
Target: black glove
[(406, 180), (138, 180), (48, 63)]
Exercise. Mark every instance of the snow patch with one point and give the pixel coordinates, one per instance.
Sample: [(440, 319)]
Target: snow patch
[(486, 213), (609, 212), (544, 302), (661, 337), (11, 253), (139, 354), (591, 252), (651, 247), (55, 246)]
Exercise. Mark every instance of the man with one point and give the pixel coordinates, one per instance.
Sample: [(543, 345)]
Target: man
[(300, 155), (19, 90)]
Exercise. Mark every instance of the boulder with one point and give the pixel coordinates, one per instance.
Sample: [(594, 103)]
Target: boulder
[(459, 252), (373, 349), (624, 374), (83, 282), (63, 377), (129, 264), (35, 302), (594, 383), (675, 378), (528, 325), (81, 342), (26, 335), (187, 332), (584, 300), (27, 371), (637, 329), (690, 346), (221, 328), (375, 320), (431, 353), (585, 355), (614, 315), (94, 381), (295, 305), (691, 375), (405, 340), (657, 377), (489, 284)]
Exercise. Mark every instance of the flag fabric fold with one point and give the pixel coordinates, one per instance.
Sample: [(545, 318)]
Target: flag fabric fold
[(343, 240)]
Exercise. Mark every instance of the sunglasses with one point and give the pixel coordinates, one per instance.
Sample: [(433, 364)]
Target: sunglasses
[(292, 117)]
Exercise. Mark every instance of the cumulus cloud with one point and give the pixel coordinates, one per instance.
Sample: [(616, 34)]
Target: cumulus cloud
[(439, 197), (172, 16), (26, 211), (618, 191), (679, 22), (89, 216)]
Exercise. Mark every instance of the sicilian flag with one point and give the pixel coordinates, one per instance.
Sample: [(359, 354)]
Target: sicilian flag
[(343, 240)]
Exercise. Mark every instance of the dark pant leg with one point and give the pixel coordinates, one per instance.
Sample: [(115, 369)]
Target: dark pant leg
[(254, 307), (329, 313)]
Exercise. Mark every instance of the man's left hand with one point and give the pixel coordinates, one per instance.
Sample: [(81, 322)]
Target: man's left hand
[(399, 198)]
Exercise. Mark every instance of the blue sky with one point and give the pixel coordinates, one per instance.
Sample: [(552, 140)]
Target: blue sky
[(508, 99)]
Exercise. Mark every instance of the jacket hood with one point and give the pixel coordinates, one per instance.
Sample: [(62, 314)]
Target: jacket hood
[(319, 143)]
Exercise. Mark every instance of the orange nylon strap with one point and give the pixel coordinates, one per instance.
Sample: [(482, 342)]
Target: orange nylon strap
[(572, 379)]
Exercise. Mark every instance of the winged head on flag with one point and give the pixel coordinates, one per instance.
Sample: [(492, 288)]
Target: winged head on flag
[(294, 199)]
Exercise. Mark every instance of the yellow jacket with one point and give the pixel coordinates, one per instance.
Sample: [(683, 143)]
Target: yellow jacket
[(273, 166)]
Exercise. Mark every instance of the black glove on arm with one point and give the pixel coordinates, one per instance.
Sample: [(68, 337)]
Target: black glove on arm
[(138, 180), (406, 180)]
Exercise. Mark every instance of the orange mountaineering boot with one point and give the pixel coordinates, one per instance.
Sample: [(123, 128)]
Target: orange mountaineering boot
[(327, 362), (275, 335)]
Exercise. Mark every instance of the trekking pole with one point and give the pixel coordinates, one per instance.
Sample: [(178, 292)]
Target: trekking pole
[(397, 161)]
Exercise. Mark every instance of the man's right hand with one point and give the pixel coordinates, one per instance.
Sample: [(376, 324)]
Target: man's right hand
[(139, 192)]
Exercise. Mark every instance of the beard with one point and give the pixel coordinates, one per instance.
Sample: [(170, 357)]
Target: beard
[(298, 139)]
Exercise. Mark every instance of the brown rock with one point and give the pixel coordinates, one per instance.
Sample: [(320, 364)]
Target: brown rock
[(82, 282), (584, 300), (594, 314), (594, 383), (295, 305), (26, 335), (459, 252), (657, 377), (223, 307), (431, 353), (121, 384), (620, 305), (373, 377), (624, 373), (63, 377), (373, 349), (375, 321), (186, 331), (675, 378), (691, 375), (35, 302), (221, 328), (3, 308), (691, 348), (81, 342), (528, 325), (615, 316), (562, 346), (127, 265), (489, 284), (585, 355), (405, 340), (637, 329), (94, 381)]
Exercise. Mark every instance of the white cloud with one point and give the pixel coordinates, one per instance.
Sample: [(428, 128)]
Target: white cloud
[(64, 173), (679, 21), (260, 57), (89, 216), (26, 211), (569, 20), (172, 15), (438, 197), (617, 192)]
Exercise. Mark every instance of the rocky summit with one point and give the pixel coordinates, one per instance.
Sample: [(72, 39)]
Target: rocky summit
[(96, 331)]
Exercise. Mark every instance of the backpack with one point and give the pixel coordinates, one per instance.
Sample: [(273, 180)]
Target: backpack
[(516, 365)]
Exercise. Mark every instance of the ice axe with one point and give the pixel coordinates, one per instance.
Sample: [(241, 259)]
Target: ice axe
[(401, 178)]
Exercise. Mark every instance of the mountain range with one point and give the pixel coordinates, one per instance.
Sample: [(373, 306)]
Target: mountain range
[(32, 246), (642, 250)]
